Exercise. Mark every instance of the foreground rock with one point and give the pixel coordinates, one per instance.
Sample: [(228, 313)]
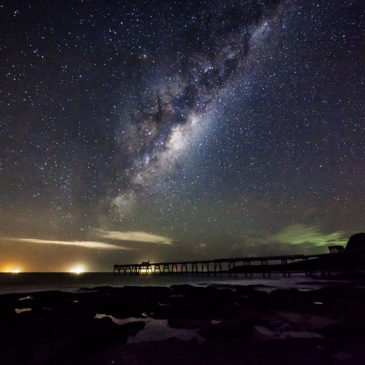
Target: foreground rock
[(219, 324)]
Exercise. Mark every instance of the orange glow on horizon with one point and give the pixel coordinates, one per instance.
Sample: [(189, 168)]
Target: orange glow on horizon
[(77, 269), (12, 269)]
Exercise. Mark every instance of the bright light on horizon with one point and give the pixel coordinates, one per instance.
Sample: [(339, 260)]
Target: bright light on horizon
[(78, 269), (12, 269)]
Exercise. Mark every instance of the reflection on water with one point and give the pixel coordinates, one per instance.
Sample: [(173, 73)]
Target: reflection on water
[(154, 329), (296, 325), (26, 298), (286, 334), (21, 310), (306, 320)]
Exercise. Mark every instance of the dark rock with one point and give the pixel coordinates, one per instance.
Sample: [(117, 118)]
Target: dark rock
[(68, 333)]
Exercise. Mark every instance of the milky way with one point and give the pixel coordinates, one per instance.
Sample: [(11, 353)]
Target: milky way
[(160, 126), (177, 129)]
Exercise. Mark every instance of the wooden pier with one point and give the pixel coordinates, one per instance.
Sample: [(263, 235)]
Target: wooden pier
[(311, 265)]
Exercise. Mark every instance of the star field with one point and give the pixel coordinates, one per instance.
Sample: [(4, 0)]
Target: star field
[(179, 129)]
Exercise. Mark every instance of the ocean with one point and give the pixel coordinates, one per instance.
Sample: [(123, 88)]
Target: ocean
[(32, 282)]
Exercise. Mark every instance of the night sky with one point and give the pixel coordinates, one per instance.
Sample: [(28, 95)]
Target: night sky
[(135, 130)]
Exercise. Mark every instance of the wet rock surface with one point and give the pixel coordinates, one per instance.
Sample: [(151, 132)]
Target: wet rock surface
[(217, 324)]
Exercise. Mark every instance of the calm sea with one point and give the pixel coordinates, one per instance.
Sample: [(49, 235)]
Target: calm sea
[(29, 282)]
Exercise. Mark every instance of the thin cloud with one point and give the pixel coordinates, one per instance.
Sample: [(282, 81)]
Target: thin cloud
[(134, 237), (85, 244)]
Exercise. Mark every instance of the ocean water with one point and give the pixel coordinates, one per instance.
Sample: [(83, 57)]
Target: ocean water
[(31, 282)]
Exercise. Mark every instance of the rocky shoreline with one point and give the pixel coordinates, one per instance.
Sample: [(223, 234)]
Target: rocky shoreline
[(183, 324)]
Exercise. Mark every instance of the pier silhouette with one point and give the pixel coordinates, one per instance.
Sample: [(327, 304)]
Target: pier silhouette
[(311, 265), (338, 262)]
